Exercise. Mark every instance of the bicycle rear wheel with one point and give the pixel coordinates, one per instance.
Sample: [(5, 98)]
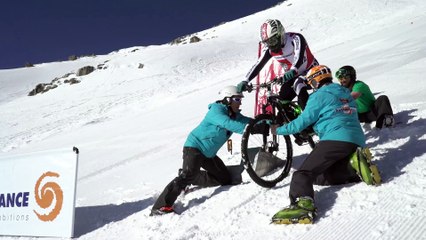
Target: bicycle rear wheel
[(267, 158)]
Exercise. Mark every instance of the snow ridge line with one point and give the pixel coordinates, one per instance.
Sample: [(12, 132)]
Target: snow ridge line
[(119, 163)]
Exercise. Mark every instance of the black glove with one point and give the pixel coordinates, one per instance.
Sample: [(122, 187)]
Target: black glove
[(242, 86), (278, 80), (260, 128)]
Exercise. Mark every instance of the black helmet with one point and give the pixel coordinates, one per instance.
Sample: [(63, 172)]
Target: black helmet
[(346, 71)]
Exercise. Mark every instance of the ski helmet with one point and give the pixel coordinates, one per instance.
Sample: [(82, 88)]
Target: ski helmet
[(229, 92), (346, 71), (271, 34), (318, 75)]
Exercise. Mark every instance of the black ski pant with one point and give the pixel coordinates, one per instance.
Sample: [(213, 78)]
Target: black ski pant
[(381, 108), (327, 164), (215, 174), (287, 92)]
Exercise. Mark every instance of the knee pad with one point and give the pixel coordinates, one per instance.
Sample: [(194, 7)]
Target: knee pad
[(298, 84)]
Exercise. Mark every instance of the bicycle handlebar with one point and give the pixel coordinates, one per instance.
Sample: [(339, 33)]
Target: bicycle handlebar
[(267, 85)]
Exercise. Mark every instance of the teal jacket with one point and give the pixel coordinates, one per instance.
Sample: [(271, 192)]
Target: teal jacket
[(215, 129), (332, 110)]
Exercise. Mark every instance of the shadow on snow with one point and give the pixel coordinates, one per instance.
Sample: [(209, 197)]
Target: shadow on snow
[(88, 219), (392, 161)]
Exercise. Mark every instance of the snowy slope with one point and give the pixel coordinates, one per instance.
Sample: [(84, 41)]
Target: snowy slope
[(130, 124)]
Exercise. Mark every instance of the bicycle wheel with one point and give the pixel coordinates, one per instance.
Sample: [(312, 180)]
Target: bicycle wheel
[(267, 158)]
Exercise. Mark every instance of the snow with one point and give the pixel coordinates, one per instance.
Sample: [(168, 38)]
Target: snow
[(130, 124)]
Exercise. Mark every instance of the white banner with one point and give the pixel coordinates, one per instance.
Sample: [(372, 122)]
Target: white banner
[(37, 193)]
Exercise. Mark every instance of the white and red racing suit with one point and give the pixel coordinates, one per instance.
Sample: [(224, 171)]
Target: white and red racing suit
[(294, 55)]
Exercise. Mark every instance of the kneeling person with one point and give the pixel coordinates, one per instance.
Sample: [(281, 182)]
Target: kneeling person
[(332, 111), (201, 146)]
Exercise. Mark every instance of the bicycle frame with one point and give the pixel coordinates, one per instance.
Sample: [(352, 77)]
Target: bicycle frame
[(273, 103), (270, 108)]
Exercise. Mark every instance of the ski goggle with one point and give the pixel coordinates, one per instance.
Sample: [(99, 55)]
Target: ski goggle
[(341, 73), (273, 41), (314, 84), (235, 99)]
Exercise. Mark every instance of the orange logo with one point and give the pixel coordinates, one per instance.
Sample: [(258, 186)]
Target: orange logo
[(46, 195)]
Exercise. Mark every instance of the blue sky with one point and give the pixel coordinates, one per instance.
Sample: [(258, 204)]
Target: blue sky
[(36, 31)]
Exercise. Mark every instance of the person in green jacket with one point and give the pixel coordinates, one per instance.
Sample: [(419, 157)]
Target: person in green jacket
[(369, 108)]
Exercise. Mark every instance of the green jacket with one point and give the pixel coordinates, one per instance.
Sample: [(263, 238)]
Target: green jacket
[(365, 102)]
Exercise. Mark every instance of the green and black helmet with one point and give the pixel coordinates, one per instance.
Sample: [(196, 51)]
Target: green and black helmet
[(346, 71)]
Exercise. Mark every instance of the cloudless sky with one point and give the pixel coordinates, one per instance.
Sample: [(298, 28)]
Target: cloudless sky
[(36, 31)]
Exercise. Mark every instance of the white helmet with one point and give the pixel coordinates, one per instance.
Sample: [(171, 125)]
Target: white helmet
[(228, 92), (271, 33)]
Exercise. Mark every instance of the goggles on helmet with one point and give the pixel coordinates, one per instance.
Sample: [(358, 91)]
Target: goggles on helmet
[(341, 73), (236, 99)]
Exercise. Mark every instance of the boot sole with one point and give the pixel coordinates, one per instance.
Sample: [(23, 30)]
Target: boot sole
[(377, 179), (304, 220), (375, 174)]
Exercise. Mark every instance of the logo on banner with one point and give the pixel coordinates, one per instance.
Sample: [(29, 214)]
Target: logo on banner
[(48, 196)]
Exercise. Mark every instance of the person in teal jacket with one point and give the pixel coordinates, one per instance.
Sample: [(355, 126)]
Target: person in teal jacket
[(201, 147), (216, 128), (332, 111)]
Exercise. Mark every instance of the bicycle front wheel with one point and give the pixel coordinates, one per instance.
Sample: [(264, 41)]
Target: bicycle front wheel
[(266, 157)]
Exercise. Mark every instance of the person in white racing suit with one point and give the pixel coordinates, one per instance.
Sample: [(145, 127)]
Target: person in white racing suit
[(292, 51)]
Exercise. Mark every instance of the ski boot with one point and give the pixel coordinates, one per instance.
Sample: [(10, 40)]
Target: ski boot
[(388, 121), (361, 162), (302, 212)]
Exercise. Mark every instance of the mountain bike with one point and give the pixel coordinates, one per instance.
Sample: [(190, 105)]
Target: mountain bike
[(267, 157)]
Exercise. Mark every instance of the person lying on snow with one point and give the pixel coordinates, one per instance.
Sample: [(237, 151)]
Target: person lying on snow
[(338, 158)]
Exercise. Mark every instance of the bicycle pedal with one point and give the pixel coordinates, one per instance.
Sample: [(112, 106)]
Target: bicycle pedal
[(299, 141), (272, 149)]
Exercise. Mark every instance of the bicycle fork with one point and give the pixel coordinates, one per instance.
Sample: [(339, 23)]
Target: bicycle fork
[(272, 146)]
